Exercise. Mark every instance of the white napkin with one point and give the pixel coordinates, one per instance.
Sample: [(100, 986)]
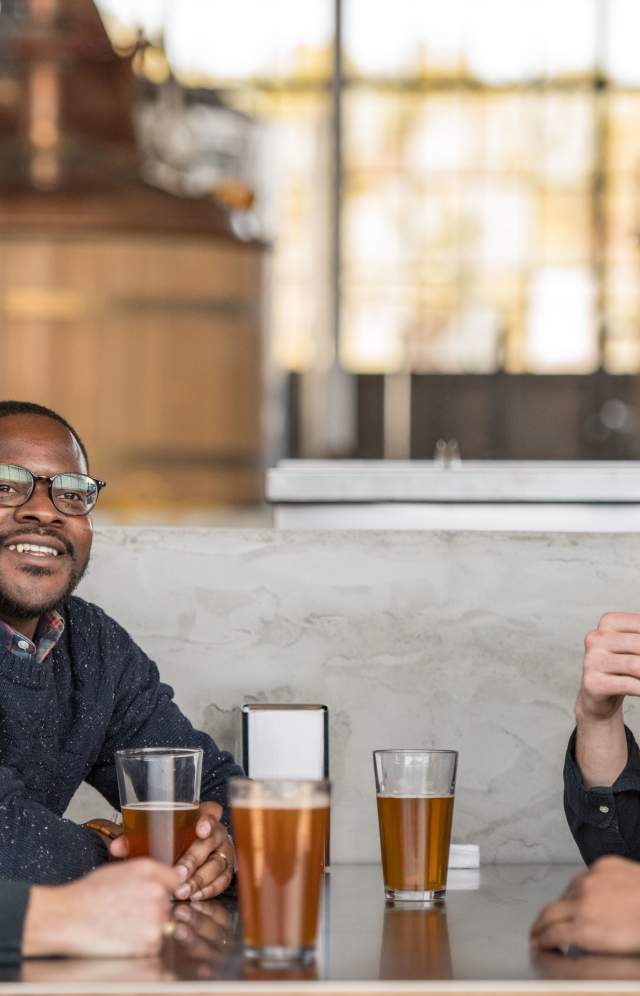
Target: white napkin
[(464, 856), (463, 879)]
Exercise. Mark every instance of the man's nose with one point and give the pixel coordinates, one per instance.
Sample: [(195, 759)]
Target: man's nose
[(39, 508)]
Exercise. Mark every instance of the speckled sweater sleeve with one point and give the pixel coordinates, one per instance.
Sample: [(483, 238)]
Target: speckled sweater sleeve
[(145, 715), (36, 845)]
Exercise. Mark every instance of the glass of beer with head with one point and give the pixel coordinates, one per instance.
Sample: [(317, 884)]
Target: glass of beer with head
[(159, 798), (280, 831), (415, 790)]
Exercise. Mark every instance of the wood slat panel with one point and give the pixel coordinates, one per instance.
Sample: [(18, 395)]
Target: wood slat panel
[(151, 348)]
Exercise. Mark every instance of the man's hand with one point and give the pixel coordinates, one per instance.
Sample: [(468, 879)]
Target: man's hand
[(206, 868), (114, 912), (611, 666), (611, 670), (600, 911)]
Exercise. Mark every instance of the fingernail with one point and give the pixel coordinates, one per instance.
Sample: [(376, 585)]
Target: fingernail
[(197, 895), (183, 913), (183, 892), (181, 932), (183, 872), (204, 827)]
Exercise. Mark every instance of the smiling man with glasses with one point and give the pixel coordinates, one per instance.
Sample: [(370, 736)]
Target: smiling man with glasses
[(74, 687)]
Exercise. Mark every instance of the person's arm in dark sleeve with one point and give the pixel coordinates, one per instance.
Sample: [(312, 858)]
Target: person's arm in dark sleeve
[(14, 899), (36, 845), (145, 715), (604, 819)]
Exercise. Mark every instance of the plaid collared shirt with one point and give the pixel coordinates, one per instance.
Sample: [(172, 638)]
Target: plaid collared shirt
[(50, 629)]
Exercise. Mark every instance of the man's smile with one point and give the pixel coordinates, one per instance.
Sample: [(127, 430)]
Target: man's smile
[(25, 550), (33, 550)]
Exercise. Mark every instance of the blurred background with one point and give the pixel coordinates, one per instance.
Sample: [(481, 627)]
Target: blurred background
[(236, 232)]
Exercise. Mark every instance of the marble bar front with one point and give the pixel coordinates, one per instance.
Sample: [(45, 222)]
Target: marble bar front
[(464, 640)]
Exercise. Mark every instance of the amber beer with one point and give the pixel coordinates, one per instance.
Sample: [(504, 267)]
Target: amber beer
[(159, 790), (162, 831), (280, 832), (415, 790), (415, 835)]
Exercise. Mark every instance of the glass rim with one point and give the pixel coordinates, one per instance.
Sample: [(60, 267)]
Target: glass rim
[(143, 752), (318, 783), (415, 750)]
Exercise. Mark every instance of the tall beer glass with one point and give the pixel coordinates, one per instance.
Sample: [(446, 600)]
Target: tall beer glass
[(159, 798), (415, 790), (280, 831)]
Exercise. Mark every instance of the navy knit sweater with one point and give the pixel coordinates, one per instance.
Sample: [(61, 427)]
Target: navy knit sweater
[(61, 721)]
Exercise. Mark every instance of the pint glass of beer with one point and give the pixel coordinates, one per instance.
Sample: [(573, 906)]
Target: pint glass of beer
[(159, 798), (280, 831), (415, 790)]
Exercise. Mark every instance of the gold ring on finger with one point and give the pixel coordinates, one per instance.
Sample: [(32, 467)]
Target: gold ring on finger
[(221, 854)]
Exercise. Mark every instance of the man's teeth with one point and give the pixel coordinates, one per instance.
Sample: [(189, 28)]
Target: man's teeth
[(42, 551)]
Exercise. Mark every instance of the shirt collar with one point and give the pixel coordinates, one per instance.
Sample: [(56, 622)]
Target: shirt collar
[(49, 630)]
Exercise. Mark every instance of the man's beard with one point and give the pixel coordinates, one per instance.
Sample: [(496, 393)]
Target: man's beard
[(14, 607)]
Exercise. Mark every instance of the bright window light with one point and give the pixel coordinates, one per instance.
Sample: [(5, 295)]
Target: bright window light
[(403, 39), (504, 40), (243, 40), (374, 331), (622, 61), (149, 15), (562, 332), (569, 36), (507, 40)]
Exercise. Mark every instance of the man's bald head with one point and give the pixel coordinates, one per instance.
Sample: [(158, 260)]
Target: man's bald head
[(30, 408)]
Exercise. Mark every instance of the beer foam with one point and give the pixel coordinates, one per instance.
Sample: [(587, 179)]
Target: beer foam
[(161, 807), (414, 795), (271, 804)]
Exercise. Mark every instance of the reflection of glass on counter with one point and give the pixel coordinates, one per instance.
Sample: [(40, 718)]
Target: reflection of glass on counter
[(213, 947), (255, 972), (415, 944)]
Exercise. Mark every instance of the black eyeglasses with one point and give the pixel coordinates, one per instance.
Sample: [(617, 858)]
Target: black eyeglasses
[(71, 494)]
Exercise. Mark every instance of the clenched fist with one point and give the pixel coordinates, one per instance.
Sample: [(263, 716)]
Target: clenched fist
[(114, 912), (611, 665)]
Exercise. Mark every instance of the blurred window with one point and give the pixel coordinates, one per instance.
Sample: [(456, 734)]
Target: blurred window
[(479, 208)]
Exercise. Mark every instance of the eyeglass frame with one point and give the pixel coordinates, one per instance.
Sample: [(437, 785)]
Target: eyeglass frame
[(41, 477)]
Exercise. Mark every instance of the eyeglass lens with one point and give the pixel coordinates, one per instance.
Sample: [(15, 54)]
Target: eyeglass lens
[(72, 494)]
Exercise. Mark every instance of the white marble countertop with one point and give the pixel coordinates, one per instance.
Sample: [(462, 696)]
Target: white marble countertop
[(477, 942), (347, 481)]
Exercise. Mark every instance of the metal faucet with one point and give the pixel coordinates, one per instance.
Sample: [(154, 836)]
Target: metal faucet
[(447, 454)]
